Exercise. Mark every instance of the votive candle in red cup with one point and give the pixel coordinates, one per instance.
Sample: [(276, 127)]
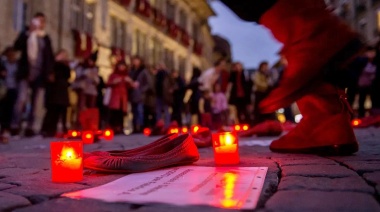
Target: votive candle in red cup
[(226, 148), (66, 161)]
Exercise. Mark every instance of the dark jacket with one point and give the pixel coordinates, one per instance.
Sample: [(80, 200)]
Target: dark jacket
[(57, 91), (21, 44), (164, 87), (178, 92), (246, 85), (136, 94)]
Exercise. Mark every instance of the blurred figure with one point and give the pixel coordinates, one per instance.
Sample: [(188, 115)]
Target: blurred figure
[(205, 109), (57, 96), (164, 91), (136, 95), (195, 95), (211, 76), (277, 72), (263, 82), (366, 79), (178, 96), (375, 95), (119, 82), (35, 65), (219, 107), (8, 69), (149, 95), (99, 102), (240, 92)]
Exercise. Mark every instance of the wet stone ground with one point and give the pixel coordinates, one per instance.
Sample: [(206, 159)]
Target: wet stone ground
[(293, 182)]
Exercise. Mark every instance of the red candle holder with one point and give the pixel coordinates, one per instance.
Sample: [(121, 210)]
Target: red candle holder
[(174, 130), (226, 148), (147, 131), (237, 128), (73, 134), (195, 128), (66, 161), (88, 137), (245, 127), (108, 135), (184, 130)]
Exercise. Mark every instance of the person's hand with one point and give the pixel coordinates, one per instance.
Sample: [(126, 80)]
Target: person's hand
[(136, 84)]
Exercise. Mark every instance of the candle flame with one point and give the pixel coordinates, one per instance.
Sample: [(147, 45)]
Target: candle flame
[(245, 127), (185, 130), (107, 133), (88, 135), (237, 127), (196, 128), (228, 140), (74, 134)]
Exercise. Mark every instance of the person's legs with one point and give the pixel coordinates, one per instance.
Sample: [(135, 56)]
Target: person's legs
[(159, 108), (363, 92)]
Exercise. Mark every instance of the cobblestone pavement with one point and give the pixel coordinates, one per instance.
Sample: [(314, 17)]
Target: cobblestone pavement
[(293, 182)]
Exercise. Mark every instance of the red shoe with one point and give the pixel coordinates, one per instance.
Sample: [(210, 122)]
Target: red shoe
[(178, 151), (266, 128), (147, 149), (325, 127), (316, 43), (203, 137)]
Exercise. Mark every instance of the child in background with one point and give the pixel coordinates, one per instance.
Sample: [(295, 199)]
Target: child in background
[(205, 109), (119, 81), (219, 107), (57, 96)]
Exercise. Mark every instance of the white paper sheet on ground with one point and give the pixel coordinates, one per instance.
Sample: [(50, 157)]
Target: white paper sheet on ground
[(224, 187)]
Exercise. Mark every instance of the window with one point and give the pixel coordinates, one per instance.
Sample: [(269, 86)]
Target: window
[(118, 33), (82, 16), (157, 51), (196, 31), (76, 14), (183, 19), (89, 17), (170, 10), (169, 59), (20, 14), (182, 67), (140, 43)]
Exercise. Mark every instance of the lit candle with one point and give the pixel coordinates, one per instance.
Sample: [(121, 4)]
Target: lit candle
[(108, 135), (88, 137), (226, 151), (66, 161)]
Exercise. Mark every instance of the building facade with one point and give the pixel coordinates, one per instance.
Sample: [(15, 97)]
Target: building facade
[(362, 15), (175, 32)]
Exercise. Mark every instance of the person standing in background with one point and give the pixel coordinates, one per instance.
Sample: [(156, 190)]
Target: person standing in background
[(57, 96), (219, 107), (119, 82), (8, 74), (240, 92), (263, 82), (35, 68), (178, 96), (195, 95), (149, 96), (136, 96), (164, 90), (211, 76)]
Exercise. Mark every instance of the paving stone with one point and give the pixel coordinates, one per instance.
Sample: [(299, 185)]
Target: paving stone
[(320, 161), (303, 200), (4, 186), (355, 184), (10, 172), (9, 201), (41, 184), (357, 158), (330, 171), (363, 167), (373, 177)]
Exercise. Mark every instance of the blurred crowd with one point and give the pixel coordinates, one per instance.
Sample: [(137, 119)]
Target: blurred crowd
[(33, 77)]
